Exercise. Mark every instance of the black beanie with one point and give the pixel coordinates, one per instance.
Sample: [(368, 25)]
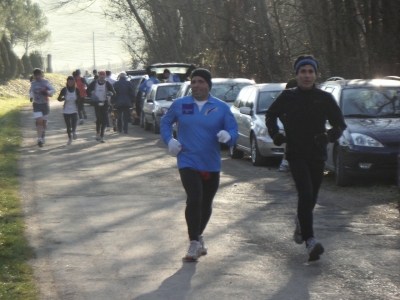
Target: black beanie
[(203, 73)]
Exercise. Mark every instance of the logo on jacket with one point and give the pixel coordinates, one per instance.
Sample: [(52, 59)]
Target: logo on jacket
[(211, 110)]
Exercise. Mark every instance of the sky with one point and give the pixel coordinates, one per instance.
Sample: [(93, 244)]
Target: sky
[(71, 44)]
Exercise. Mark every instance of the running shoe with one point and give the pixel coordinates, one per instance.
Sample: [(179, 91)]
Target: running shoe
[(193, 253), (74, 136), (40, 142), (102, 140), (97, 136), (69, 142), (314, 249), (81, 122), (284, 166), (203, 249), (297, 232)]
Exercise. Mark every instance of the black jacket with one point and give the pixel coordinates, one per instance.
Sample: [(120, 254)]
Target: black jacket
[(303, 114)]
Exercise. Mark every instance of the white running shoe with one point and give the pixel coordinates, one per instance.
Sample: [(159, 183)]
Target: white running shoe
[(102, 140), (74, 136), (314, 249), (203, 249), (69, 142), (81, 122), (193, 253)]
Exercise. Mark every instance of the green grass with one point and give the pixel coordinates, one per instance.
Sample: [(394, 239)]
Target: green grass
[(16, 276)]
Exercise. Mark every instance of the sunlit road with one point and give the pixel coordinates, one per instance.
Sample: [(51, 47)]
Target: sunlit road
[(107, 222)]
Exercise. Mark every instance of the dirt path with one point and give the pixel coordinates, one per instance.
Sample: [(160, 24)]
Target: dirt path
[(107, 222)]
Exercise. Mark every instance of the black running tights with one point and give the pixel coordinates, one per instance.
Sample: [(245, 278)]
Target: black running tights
[(200, 194), (70, 121)]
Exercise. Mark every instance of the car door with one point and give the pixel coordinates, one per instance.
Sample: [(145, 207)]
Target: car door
[(247, 120), (148, 106), (330, 164), (239, 102)]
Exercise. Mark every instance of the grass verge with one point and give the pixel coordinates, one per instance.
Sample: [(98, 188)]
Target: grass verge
[(16, 276)]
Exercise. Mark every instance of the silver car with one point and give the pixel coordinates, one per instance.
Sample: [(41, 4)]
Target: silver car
[(157, 103), (249, 110), (227, 89)]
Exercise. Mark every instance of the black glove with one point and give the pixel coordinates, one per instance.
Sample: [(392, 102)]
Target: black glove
[(31, 99), (44, 93), (321, 139), (279, 139)]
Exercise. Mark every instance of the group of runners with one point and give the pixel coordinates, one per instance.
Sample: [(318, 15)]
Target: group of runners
[(204, 123)]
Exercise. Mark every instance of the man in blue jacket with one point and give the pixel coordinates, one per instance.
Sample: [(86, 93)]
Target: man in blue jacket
[(146, 85), (122, 101), (204, 123)]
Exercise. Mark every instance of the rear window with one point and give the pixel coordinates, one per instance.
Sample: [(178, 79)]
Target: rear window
[(370, 102), (265, 100)]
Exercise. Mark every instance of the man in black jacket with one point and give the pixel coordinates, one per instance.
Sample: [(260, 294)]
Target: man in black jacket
[(124, 95), (99, 90), (305, 110)]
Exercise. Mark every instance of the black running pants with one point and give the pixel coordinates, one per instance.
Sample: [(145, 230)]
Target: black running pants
[(200, 194), (307, 175)]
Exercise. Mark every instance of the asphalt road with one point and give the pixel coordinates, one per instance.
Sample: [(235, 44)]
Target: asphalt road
[(107, 222)]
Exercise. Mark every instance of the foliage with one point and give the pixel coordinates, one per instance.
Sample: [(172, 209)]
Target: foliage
[(5, 60), (36, 60), (26, 24), (27, 65), (16, 276), (13, 70)]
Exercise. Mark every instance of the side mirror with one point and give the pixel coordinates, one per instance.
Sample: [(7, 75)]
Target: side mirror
[(245, 110)]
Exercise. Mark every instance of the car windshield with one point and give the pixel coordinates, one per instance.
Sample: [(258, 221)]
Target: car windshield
[(371, 102), (265, 100), (163, 92), (227, 91)]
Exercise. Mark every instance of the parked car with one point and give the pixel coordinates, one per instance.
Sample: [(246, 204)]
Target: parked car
[(370, 144), (183, 70), (249, 111), (156, 104), (227, 89), (137, 80), (89, 100), (183, 90)]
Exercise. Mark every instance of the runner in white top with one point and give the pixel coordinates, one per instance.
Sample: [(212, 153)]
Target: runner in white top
[(71, 97)]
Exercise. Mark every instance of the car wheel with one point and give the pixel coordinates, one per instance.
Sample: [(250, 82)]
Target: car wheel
[(256, 157), (147, 125), (235, 153), (341, 179), (141, 120), (156, 127)]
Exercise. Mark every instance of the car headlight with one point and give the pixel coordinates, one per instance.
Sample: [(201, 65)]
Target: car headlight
[(365, 140), (263, 132)]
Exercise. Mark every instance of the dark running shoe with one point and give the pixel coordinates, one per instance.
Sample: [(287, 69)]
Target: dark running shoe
[(314, 249), (40, 142)]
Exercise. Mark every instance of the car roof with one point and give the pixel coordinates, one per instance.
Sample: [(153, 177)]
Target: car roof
[(168, 84), (136, 72), (176, 68), (263, 87), (231, 80), (362, 83)]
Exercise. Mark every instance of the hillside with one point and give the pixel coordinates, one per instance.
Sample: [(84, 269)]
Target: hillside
[(20, 87)]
